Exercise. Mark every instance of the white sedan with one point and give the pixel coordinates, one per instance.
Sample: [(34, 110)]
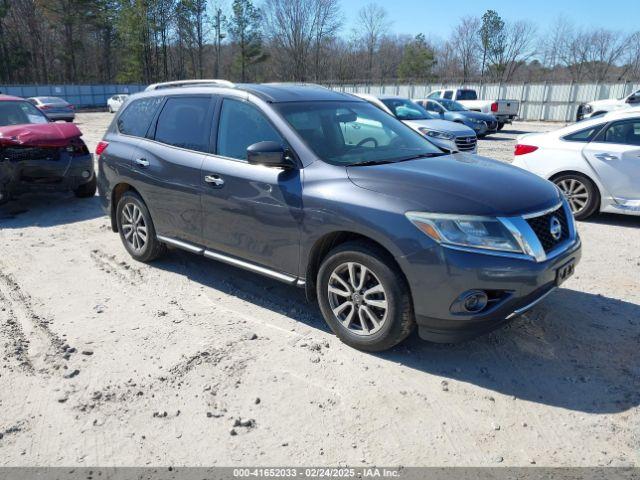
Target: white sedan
[(596, 162), (115, 102)]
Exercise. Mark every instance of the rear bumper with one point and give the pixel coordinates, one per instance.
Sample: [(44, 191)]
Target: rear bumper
[(438, 277), (68, 116), (45, 176)]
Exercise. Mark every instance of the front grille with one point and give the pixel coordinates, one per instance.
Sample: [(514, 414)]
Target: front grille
[(466, 144), (17, 154), (542, 226)]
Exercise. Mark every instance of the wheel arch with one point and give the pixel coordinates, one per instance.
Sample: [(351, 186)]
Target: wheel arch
[(327, 242), (591, 178), (116, 195)]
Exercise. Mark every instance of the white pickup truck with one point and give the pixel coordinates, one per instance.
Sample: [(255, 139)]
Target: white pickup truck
[(600, 107), (505, 111)]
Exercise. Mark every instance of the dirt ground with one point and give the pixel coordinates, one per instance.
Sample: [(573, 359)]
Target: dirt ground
[(108, 362)]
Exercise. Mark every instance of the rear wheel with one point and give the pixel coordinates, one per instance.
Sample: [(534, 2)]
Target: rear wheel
[(364, 298), (500, 126), (136, 229), (580, 192)]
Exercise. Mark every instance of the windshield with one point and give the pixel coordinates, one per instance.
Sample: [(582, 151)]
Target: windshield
[(354, 133), (19, 113), (452, 105), (405, 109)]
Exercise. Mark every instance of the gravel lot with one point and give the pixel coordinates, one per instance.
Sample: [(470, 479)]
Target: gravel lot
[(109, 362)]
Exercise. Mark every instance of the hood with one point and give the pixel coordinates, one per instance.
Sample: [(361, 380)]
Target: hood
[(442, 126), (606, 103), (39, 134), (459, 184), (485, 117)]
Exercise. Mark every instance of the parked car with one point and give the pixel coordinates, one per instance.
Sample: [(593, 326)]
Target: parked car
[(596, 162), (600, 107), (115, 102), (37, 155), (54, 108), (481, 123), (447, 135), (505, 111), (386, 231)]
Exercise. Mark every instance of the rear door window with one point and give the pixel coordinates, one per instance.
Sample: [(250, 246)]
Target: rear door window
[(448, 94), (184, 122), (137, 117), (241, 125)]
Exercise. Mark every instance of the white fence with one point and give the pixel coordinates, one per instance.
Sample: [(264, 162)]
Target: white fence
[(538, 101)]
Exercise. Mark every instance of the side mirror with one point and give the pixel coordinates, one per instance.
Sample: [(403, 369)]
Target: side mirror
[(269, 154)]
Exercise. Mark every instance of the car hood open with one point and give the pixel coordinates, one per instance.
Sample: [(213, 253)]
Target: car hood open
[(459, 184), (39, 135)]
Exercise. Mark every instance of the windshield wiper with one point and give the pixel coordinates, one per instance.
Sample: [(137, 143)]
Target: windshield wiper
[(382, 162), (371, 162), (422, 155)]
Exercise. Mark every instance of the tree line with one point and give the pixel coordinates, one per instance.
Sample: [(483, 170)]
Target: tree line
[(145, 41)]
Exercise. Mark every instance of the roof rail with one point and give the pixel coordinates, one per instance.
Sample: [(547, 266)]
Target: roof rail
[(299, 84), (190, 83)]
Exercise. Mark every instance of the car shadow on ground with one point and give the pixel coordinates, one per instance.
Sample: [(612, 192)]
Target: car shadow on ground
[(576, 350), (614, 219), (48, 210)]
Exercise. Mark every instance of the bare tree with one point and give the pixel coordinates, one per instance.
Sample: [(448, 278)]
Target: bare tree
[(512, 49), (374, 23), (464, 42)]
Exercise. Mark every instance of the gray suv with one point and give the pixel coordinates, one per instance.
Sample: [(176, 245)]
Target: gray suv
[(324, 191)]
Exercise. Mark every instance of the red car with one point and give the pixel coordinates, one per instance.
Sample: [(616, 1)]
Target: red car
[(38, 155)]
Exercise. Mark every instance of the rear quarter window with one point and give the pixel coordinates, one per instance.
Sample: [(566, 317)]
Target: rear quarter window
[(136, 118), (585, 135)]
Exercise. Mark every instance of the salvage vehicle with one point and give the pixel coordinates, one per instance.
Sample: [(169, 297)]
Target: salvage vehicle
[(384, 229), (596, 162), (447, 135), (115, 102), (482, 123), (600, 107), (54, 108), (37, 155), (505, 111)]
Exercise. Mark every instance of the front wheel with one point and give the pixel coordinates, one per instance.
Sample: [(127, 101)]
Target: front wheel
[(136, 229), (364, 297), (580, 192), (500, 126)]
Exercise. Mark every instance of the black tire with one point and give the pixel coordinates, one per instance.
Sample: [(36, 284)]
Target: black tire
[(110, 109), (593, 200), (152, 247), (399, 320), (500, 126), (86, 190)]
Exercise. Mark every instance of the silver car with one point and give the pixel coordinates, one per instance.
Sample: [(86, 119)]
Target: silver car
[(54, 108), (449, 136)]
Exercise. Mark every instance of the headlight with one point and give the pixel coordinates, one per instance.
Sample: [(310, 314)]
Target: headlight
[(586, 108), (436, 134), (465, 230), (475, 120)]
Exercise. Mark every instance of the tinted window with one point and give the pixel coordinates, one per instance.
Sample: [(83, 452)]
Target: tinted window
[(352, 133), (585, 135), (435, 94), (184, 123), (136, 118), (448, 94), (625, 133), (466, 95), (242, 125), (19, 112), (433, 107)]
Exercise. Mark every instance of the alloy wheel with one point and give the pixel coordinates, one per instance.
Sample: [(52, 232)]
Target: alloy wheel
[(357, 298), (576, 194), (134, 227)]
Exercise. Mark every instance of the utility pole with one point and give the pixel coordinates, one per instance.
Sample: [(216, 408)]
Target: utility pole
[(218, 22)]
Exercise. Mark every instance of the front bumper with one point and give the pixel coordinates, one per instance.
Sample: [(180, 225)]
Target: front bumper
[(65, 174), (438, 276)]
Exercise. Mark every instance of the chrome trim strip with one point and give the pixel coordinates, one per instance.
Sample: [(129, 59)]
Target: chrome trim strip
[(543, 212), (250, 266), (525, 235), (301, 282), (180, 244), (524, 309)]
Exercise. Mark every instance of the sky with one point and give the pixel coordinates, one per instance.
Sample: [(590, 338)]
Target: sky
[(437, 18)]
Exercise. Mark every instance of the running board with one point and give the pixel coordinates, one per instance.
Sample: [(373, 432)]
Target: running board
[(252, 267)]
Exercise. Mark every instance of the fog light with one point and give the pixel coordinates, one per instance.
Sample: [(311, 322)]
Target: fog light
[(86, 174), (475, 301)]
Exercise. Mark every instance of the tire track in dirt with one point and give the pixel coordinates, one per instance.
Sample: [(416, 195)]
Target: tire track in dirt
[(119, 269), (34, 344)]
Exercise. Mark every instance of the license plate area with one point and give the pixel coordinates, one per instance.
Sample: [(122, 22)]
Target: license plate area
[(564, 272)]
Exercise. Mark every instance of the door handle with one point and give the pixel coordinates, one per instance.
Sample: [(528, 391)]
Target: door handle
[(214, 179), (143, 162), (606, 156)]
